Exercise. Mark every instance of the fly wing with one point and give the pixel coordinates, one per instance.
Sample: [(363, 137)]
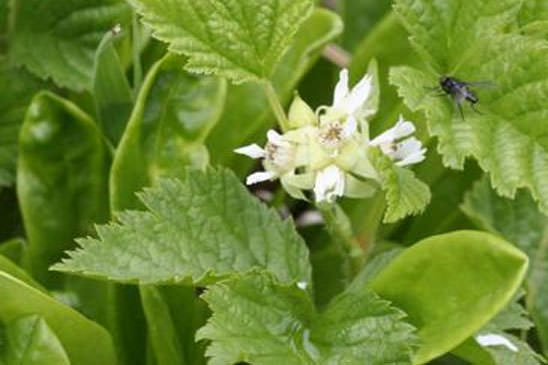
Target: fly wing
[(490, 84)]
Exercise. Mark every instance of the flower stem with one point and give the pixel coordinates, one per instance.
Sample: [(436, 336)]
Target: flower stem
[(136, 47), (339, 227), (276, 105)]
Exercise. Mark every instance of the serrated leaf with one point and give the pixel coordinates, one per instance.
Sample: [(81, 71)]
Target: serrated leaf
[(405, 194), (199, 230), (520, 222), (258, 321), (84, 341), (443, 279), (468, 41), (18, 88), (57, 39), (30, 341), (239, 39), (173, 115)]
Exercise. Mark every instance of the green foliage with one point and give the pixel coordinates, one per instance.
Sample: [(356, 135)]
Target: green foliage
[(360, 16), (472, 42), (84, 341), (443, 279), (30, 341), (520, 222), (172, 117), (57, 39), (226, 231), (113, 98), (56, 130), (259, 321), (18, 87), (239, 39), (405, 194)]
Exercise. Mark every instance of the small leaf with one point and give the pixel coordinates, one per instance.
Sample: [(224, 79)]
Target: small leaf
[(258, 321), (239, 39), (405, 194), (199, 230), (520, 222), (173, 115), (30, 341), (59, 201), (85, 342), (58, 39), (443, 279), (111, 91)]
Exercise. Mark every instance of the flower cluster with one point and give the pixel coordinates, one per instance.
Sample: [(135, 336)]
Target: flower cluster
[(327, 151)]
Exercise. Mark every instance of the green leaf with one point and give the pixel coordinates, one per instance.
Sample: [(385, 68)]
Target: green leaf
[(173, 115), (443, 279), (84, 341), (12, 249), (520, 222), (247, 114), (465, 39), (405, 194), (30, 341), (57, 39), (59, 201), (242, 40), (113, 98), (8, 267), (258, 321), (18, 88), (199, 230)]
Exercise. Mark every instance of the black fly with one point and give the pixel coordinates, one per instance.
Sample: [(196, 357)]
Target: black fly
[(459, 91)]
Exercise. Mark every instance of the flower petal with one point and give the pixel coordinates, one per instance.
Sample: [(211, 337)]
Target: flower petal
[(400, 130), (258, 177), (329, 184), (274, 137), (341, 90), (252, 150), (350, 127), (492, 339), (359, 95)]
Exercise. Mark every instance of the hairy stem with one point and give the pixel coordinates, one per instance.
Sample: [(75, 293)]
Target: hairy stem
[(276, 105)]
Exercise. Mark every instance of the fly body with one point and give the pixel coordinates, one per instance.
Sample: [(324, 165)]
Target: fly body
[(460, 91)]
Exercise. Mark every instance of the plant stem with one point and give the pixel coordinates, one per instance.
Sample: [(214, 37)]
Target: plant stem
[(276, 105), (136, 47), (340, 229)]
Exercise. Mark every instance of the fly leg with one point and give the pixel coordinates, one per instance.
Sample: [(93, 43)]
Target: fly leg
[(473, 106), (459, 107)]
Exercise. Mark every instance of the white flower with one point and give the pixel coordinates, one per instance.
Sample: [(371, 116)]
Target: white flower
[(394, 144), (329, 184), (302, 285), (278, 157), (350, 103), (492, 339)]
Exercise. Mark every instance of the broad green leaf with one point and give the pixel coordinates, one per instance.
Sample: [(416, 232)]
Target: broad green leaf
[(174, 313), (405, 194), (247, 114), (520, 222), (113, 99), (451, 285), (18, 88), (61, 181), (360, 17), (255, 320), (8, 267), (85, 342), (197, 230), (30, 341), (533, 17), (57, 39), (172, 117), (465, 40), (242, 40)]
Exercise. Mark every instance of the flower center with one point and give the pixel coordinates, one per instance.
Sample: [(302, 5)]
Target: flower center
[(280, 154), (331, 135)]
